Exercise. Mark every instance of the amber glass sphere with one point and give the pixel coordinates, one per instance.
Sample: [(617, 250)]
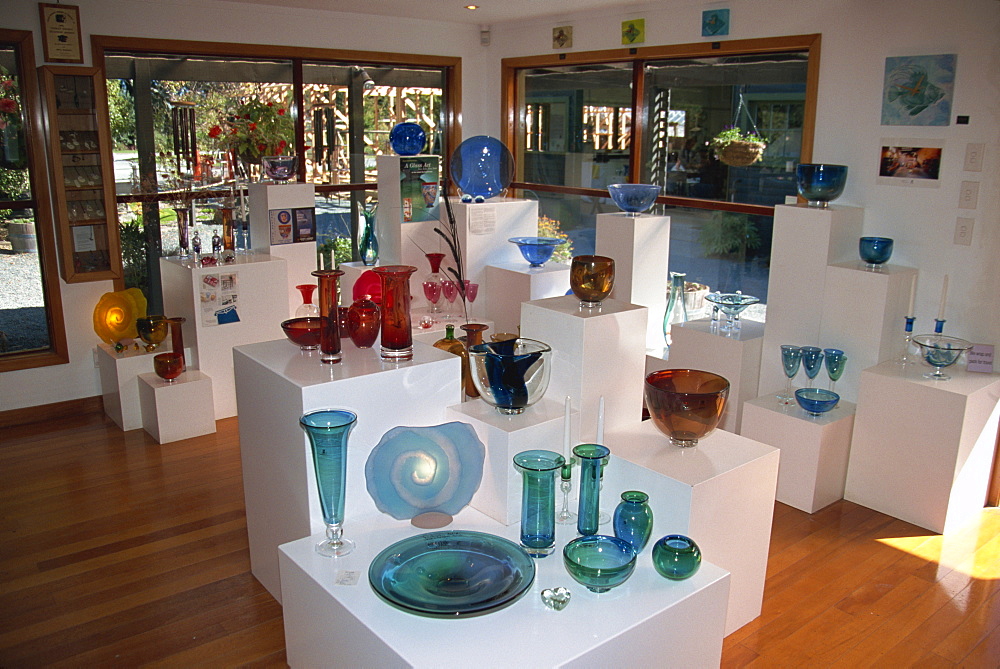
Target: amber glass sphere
[(686, 404)]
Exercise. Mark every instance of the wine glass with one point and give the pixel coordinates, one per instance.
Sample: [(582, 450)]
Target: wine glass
[(471, 291), (432, 291), (450, 290), (812, 362), (836, 360), (791, 358)]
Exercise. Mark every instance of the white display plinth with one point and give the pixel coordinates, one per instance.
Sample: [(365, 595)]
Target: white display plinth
[(922, 449), (641, 622), (300, 256), (736, 356), (864, 314), (276, 383), (814, 449), (512, 283), (261, 302), (640, 246), (805, 240), (176, 410), (395, 218), (595, 353), (119, 387), (720, 493), (539, 427)]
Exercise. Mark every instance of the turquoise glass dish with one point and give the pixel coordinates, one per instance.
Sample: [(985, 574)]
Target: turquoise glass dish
[(407, 139), (415, 470), (536, 250), (816, 401), (676, 557), (634, 199), (599, 562), (451, 574), (940, 351)]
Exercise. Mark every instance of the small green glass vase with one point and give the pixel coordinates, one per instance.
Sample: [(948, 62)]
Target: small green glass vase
[(676, 557), (633, 519)]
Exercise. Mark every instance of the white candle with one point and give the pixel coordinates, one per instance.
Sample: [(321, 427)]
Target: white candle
[(567, 453), (913, 296), (944, 298), (600, 421)]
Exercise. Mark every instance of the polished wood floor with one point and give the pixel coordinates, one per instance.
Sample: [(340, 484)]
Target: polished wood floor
[(116, 551)]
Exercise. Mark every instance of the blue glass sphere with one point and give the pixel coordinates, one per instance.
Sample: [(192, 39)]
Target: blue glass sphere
[(634, 198), (407, 139), (482, 167), (821, 184), (875, 250), (599, 562), (536, 250), (816, 401)]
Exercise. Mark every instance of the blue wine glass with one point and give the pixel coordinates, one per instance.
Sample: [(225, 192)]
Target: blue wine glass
[(836, 360), (812, 362), (791, 357)]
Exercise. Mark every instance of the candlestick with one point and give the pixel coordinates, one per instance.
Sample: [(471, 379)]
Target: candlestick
[(905, 357), (913, 295), (944, 297), (600, 421), (567, 453), (938, 326)]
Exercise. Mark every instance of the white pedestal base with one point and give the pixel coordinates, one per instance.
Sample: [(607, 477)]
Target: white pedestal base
[(178, 410), (119, 385), (513, 283)]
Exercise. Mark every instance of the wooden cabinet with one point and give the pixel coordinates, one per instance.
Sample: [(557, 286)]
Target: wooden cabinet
[(82, 171)]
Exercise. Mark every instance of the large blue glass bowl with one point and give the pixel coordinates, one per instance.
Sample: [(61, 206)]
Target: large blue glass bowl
[(821, 184), (816, 401), (482, 167), (875, 250), (407, 139), (511, 375), (634, 199), (599, 562), (536, 250)]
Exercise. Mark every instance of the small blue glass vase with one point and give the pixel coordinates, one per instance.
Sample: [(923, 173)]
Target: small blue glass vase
[(538, 500), (633, 519), (328, 430), (407, 139), (588, 515), (368, 238), (875, 251), (821, 184), (676, 557)]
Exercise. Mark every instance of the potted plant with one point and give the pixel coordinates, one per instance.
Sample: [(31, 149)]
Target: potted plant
[(739, 148), (254, 129)]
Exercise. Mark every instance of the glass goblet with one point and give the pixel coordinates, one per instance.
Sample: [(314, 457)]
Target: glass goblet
[(812, 362), (791, 358), (471, 291), (836, 360), (450, 290), (328, 431), (432, 291)]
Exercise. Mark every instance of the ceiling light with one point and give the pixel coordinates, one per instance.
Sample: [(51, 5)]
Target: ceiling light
[(472, 7)]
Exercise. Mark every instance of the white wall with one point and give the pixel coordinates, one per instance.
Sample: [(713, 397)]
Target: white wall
[(857, 37)]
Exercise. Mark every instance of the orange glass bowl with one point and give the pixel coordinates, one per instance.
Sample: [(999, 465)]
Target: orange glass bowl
[(686, 404), (592, 278), (168, 366), (303, 332)]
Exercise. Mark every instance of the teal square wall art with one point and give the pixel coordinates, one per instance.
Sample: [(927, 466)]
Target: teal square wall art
[(918, 90), (715, 22)]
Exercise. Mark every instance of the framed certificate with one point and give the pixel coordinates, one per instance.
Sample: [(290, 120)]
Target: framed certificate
[(61, 33)]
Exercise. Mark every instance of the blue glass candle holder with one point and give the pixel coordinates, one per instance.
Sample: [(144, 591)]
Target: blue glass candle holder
[(407, 139), (676, 557), (875, 251), (328, 430), (591, 457), (634, 199), (599, 562), (536, 250), (820, 184), (538, 499)]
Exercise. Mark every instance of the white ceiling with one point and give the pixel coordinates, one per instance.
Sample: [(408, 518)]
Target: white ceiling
[(490, 11)]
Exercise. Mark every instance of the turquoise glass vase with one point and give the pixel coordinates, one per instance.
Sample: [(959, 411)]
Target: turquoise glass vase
[(538, 500), (328, 430), (633, 519), (676, 313), (588, 514), (676, 557), (368, 241)]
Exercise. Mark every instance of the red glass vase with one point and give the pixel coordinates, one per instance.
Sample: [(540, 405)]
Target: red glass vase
[(397, 333), (177, 339), (363, 321), (329, 336)]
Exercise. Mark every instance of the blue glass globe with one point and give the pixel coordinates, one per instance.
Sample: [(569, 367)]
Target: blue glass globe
[(536, 250), (816, 401), (407, 139), (875, 250), (482, 167), (634, 199), (821, 184)]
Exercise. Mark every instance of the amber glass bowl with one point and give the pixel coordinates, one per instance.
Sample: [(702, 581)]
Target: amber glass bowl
[(686, 404), (303, 332), (592, 278), (152, 330), (168, 366)]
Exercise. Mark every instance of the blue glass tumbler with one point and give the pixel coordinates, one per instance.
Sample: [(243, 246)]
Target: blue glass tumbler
[(633, 519), (328, 430), (538, 500), (588, 514)]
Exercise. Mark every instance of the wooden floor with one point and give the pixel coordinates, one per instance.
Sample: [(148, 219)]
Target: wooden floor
[(118, 552)]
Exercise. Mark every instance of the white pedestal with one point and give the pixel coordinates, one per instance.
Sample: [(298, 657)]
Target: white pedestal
[(178, 410), (736, 356), (641, 622), (720, 493), (119, 387), (805, 241), (595, 352), (275, 384), (814, 449), (864, 314), (512, 283), (922, 449), (301, 256), (394, 214), (261, 302), (640, 246), (539, 427)]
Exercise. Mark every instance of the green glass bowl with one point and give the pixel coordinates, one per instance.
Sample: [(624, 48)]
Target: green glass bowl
[(599, 562), (676, 557)]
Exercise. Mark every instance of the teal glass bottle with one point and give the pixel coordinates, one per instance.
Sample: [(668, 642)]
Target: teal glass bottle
[(633, 519), (538, 500), (676, 557), (591, 458), (328, 431)]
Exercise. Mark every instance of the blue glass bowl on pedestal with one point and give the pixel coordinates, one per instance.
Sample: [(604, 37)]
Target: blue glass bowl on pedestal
[(511, 375), (875, 251), (599, 562), (821, 184), (407, 139), (536, 250), (940, 351), (732, 305), (279, 168), (816, 401), (634, 199)]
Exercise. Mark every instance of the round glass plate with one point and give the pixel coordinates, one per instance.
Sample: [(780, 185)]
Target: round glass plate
[(482, 166), (451, 573)]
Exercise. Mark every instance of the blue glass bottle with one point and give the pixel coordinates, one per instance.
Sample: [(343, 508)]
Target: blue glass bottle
[(591, 458), (633, 519), (538, 500), (328, 431)]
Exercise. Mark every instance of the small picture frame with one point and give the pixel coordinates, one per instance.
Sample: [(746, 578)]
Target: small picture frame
[(562, 37), (305, 224), (633, 31), (61, 37), (715, 23)]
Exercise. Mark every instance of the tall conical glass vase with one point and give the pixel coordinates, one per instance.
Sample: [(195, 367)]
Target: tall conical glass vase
[(329, 336), (328, 430), (538, 500), (397, 333)]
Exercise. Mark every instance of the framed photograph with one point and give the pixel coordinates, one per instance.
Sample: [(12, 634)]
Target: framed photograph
[(911, 162), (61, 38), (917, 90), (305, 224), (562, 37)]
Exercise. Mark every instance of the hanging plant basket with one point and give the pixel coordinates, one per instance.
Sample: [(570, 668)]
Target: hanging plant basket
[(741, 153)]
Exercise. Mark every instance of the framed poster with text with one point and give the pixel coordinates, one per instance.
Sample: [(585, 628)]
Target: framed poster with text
[(61, 33)]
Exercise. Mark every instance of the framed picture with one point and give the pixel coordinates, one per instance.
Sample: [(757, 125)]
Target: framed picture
[(917, 90), (634, 31), (305, 224), (61, 33), (715, 22), (910, 162)]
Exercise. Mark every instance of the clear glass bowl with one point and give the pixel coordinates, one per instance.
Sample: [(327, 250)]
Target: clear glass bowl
[(280, 168), (634, 199), (511, 375)]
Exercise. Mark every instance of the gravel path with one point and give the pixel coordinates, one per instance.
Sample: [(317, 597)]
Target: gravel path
[(22, 305)]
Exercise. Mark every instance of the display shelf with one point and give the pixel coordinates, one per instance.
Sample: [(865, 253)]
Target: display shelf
[(275, 384), (176, 410), (119, 381), (512, 283), (921, 450), (82, 172), (814, 449)]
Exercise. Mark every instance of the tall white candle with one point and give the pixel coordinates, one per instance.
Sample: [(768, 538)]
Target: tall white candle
[(913, 296), (600, 421), (944, 298), (567, 453)]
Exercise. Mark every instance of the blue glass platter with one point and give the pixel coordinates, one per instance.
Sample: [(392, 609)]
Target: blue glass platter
[(415, 470), (482, 166), (451, 573)]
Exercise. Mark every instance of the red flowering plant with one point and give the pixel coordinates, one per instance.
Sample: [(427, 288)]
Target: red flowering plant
[(10, 106), (255, 129)]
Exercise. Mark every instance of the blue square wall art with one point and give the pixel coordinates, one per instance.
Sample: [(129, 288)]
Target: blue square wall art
[(918, 90)]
